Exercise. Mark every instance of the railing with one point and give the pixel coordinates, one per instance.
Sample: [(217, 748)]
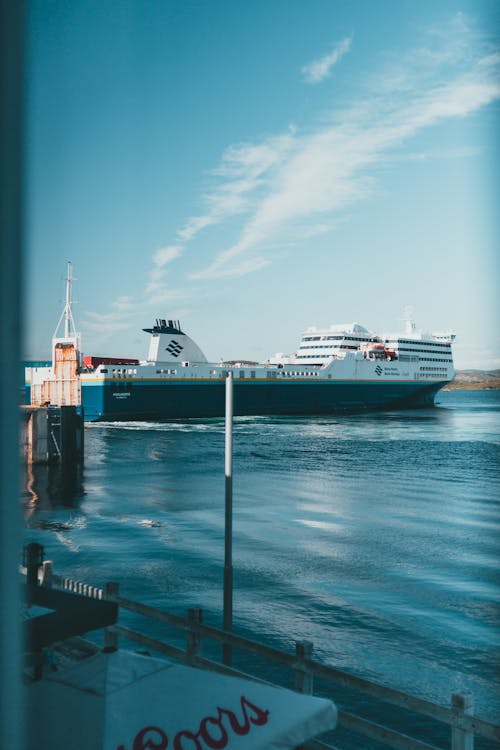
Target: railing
[(458, 717)]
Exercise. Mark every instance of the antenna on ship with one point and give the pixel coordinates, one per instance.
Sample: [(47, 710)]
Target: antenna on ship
[(69, 335), (67, 315), (408, 319)]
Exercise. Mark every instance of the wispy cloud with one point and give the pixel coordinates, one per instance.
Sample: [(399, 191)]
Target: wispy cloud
[(103, 326), (324, 171), (161, 258), (164, 294), (123, 310), (241, 173), (122, 304), (317, 70), (295, 184), (492, 60), (166, 255)]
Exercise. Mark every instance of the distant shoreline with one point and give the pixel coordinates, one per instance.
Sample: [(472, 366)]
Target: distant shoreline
[(454, 386), (475, 380)]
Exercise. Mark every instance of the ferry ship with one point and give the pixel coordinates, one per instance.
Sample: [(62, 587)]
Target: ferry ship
[(341, 368), (335, 369)]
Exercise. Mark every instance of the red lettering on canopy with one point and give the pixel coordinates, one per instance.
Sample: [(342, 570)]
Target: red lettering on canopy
[(206, 736), (259, 717), (211, 734), (157, 740)]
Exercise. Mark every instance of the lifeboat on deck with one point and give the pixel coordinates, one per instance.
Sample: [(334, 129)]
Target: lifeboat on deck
[(373, 350)]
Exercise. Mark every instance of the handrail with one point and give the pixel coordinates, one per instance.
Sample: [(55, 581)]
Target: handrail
[(459, 716), (323, 671)]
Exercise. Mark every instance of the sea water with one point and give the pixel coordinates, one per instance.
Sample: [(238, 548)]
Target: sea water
[(375, 536)]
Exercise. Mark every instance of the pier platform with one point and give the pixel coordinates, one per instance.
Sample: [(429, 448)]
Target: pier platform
[(52, 434)]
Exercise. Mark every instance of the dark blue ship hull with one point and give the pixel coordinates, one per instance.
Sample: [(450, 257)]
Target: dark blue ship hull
[(181, 399)]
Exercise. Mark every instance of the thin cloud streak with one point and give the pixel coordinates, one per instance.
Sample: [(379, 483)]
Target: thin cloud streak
[(328, 170), (122, 304), (166, 255), (288, 184), (105, 324), (318, 70), (160, 259), (244, 168)]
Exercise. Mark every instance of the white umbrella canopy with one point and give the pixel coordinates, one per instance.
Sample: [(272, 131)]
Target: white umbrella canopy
[(126, 701)]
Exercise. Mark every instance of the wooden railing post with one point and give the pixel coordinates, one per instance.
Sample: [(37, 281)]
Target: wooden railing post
[(462, 703), (303, 678), (193, 644), (111, 639)]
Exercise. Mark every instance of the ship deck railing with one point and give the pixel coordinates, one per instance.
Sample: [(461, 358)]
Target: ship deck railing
[(309, 676)]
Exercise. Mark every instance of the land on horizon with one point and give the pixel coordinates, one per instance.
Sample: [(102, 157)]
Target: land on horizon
[(473, 380)]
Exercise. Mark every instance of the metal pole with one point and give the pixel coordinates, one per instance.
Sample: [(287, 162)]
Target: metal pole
[(228, 528)]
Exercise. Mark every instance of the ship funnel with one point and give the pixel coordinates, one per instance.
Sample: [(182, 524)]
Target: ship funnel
[(169, 344)]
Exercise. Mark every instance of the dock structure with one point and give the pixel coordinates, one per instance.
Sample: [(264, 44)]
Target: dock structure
[(52, 428), (59, 384), (52, 434)]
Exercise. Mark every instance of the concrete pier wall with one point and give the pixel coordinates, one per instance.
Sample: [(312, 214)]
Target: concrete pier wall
[(52, 434)]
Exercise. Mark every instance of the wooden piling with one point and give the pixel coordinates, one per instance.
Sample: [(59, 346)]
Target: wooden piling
[(110, 637), (193, 639), (463, 704), (303, 676)]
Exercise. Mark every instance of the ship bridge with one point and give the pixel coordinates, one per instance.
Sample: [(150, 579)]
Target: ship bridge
[(318, 345)]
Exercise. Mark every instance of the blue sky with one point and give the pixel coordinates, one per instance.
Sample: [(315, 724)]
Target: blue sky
[(254, 168)]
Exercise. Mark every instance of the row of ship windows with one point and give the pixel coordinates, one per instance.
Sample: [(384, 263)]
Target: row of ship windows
[(346, 346), (313, 356), (120, 373), (424, 351), (321, 356), (409, 358), (434, 369), (413, 342), (326, 346), (252, 374), (224, 373), (334, 338), (325, 356), (275, 373), (401, 357)]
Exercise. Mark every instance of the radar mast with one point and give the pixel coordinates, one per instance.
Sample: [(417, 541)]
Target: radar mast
[(69, 335)]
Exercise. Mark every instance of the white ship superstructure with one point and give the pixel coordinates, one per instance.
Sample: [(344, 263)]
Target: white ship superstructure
[(431, 353), (421, 355)]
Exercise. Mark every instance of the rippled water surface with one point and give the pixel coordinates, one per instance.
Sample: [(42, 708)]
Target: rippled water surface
[(375, 536)]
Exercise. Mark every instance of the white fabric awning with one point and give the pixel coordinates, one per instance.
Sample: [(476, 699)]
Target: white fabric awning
[(126, 701)]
